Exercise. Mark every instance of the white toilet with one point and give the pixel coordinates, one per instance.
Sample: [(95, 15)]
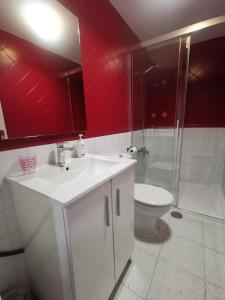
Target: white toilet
[(151, 203)]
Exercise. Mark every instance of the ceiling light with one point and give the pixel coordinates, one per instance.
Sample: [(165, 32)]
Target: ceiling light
[(43, 20)]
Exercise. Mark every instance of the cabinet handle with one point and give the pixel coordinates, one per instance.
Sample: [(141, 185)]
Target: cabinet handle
[(118, 202), (107, 210)]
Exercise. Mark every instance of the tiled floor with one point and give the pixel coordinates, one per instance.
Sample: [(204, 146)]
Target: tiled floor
[(185, 261)]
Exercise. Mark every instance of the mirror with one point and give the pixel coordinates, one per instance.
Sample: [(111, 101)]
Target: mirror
[(41, 86)]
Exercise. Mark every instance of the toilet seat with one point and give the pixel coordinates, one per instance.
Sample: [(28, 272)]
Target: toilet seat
[(150, 195)]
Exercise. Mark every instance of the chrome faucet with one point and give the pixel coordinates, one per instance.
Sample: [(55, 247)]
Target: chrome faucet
[(61, 153)]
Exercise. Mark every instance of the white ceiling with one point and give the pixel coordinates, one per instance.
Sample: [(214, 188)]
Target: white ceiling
[(150, 18), (12, 21)]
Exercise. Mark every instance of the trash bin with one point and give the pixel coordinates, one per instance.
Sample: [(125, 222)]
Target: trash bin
[(18, 294)]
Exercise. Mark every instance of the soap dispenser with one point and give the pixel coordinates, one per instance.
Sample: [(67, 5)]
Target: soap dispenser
[(81, 148)]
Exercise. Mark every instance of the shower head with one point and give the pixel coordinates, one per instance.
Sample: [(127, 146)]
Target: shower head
[(150, 68)]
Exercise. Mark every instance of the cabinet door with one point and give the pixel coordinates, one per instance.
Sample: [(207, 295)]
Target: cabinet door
[(89, 227), (123, 218)]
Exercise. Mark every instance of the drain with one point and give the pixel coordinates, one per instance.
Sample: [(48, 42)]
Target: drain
[(176, 214)]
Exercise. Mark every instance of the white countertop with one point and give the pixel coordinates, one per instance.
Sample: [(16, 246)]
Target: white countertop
[(68, 192)]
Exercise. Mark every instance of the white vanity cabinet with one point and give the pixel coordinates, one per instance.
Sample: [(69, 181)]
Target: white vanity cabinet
[(90, 236), (76, 226), (123, 218), (100, 229)]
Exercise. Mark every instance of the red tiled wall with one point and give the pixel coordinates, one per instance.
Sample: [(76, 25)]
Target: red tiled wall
[(156, 90), (205, 103), (104, 41), (205, 106), (78, 102), (162, 104)]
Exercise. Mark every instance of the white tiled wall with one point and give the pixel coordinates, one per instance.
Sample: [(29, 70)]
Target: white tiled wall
[(156, 168), (12, 270), (203, 155), (202, 160)]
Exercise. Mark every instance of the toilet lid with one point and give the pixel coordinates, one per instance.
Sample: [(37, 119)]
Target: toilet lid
[(152, 195)]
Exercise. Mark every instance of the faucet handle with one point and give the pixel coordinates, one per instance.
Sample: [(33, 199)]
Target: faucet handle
[(60, 145)]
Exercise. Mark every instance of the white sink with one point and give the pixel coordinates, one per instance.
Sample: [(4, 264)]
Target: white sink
[(79, 176), (78, 169)]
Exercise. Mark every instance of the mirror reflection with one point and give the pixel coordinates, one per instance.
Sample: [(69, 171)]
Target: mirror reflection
[(41, 86)]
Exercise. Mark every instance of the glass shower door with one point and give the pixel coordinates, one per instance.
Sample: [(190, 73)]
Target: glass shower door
[(158, 103)]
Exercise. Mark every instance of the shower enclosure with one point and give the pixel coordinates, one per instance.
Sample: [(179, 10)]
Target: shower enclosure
[(178, 116), (158, 102)]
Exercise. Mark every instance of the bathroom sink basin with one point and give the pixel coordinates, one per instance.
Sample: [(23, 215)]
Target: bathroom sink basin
[(64, 185), (82, 168)]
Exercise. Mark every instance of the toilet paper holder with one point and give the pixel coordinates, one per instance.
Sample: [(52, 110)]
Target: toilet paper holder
[(132, 150)]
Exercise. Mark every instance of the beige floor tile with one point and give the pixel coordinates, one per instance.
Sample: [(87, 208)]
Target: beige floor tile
[(139, 274), (125, 293), (173, 283), (215, 267), (188, 227), (214, 293), (185, 254), (152, 244), (214, 236)]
